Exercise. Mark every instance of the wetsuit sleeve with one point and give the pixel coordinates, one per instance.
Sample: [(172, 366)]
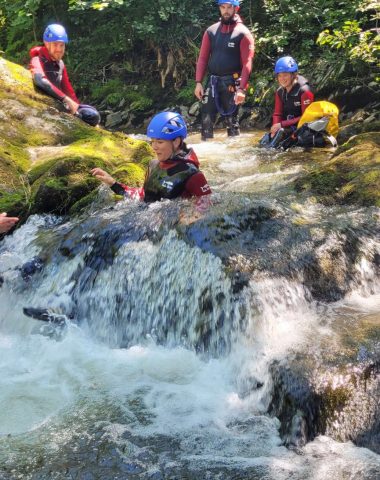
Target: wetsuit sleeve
[(197, 186), (67, 87), (204, 55), (129, 192), (247, 52), (41, 81), (278, 109), (307, 98)]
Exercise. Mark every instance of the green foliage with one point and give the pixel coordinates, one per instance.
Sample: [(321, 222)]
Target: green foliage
[(186, 94), (355, 44), (145, 53)]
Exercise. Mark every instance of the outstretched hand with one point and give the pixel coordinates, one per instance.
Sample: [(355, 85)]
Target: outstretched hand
[(6, 223), (103, 176)]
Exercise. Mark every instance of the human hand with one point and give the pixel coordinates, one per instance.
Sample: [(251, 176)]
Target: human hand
[(239, 97), (71, 105), (6, 223), (275, 127), (103, 176), (199, 92)]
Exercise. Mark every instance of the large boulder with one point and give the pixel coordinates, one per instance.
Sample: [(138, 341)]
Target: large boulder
[(46, 154), (352, 175)]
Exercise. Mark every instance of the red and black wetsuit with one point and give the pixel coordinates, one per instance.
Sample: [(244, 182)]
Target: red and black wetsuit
[(177, 177), (289, 106), (226, 52), (50, 75)]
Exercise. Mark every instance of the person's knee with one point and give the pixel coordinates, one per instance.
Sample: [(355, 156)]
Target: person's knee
[(88, 114)]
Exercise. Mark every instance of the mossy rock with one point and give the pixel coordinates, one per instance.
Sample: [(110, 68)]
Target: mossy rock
[(58, 195), (46, 154), (63, 184), (351, 176), (131, 174), (83, 203)]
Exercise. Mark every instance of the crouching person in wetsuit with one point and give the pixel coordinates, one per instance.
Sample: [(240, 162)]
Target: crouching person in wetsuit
[(174, 173), (227, 51), (50, 75), (291, 100)]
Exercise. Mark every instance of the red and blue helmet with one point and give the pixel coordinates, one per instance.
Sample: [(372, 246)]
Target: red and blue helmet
[(285, 64), (55, 33), (235, 3), (167, 126)]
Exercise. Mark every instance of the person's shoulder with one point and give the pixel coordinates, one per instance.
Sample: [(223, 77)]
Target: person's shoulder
[(213, 28), (35, 51), (303, 83), (241, 28)]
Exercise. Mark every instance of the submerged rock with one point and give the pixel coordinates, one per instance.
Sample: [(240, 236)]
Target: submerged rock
[(334, 391)]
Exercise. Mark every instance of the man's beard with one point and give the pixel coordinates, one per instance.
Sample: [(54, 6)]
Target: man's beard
[(229, 20)]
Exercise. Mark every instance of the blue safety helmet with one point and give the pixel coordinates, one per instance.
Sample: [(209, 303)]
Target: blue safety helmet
[(167, 126), (235, 3), (55, 33), (285, 64), (88, 114)]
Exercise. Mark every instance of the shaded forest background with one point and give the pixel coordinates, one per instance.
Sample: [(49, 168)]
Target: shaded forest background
[(142, 54)]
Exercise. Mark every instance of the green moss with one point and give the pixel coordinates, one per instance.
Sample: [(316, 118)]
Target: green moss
[(58, 195), (130, 174), (83, 203), (142, 152), (15, 203), (351, 176)]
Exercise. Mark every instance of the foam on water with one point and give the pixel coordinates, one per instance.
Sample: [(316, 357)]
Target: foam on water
[(213, 407)]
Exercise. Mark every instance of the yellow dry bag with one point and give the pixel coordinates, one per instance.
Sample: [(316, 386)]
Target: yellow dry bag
[(321, 109)]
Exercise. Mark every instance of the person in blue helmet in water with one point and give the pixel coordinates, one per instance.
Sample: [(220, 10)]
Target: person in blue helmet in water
[(175, 171), (227, 52), (49, 73), (292, 98)]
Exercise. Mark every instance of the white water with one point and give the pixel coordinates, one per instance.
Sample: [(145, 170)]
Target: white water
[(52, 390)]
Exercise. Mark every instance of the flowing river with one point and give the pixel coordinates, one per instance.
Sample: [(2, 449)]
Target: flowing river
[(167, 325)]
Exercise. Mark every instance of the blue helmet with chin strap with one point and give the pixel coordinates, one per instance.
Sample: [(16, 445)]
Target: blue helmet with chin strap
[(235, 3), (55, 33), (285, 65), (167, 126)]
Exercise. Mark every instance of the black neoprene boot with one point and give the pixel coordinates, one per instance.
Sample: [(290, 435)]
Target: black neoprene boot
[(207, 128)]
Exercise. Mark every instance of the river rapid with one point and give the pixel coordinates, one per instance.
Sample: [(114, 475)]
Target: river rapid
[(168, 322)]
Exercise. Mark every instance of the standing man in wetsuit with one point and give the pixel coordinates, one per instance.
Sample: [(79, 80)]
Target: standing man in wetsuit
[(50, 75), (226, 52)]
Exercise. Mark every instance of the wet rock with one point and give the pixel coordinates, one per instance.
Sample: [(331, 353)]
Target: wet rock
[(194, 110), (30, 268), (294, 403), (311, 399), (351, 176), (114, 119)]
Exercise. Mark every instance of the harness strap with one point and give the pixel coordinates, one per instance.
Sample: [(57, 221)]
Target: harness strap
[(214, 79), (60, 71)]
